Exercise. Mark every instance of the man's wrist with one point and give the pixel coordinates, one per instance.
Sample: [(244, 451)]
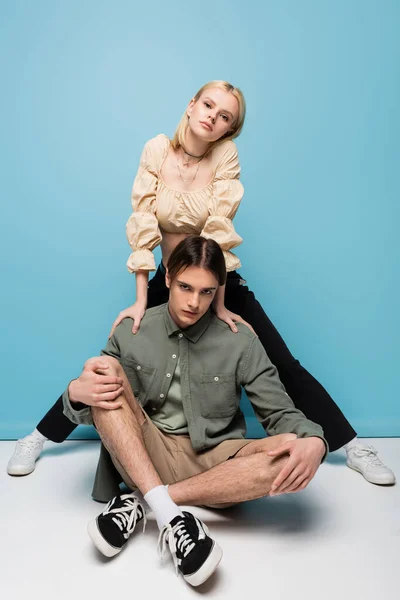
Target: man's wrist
[(75, 404), (71, 388), (322, 444)]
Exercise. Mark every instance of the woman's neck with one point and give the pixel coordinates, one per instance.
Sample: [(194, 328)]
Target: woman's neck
[(193, 145)]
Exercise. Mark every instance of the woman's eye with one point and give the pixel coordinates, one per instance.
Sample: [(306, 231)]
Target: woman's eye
[(225, 118), (183, 287), (207, 104), (207, 292)]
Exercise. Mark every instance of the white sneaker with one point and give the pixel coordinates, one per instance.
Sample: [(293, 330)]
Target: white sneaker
[(26, 453), (364, 459)]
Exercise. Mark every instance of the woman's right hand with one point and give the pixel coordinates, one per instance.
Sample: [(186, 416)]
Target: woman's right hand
[(135, 312)]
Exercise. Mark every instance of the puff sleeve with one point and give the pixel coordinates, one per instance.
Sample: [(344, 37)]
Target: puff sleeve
[(142, 228), (224, 203)]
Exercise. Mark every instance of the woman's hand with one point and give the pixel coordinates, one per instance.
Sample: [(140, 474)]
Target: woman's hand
[(230, 318), (135, 312)]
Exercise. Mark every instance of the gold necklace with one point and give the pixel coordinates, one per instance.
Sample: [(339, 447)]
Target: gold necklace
[(197, 169), (187, 180)]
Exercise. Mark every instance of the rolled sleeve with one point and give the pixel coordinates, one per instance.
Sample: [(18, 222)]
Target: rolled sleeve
[(142, 230), (82, 416), (79, 413)]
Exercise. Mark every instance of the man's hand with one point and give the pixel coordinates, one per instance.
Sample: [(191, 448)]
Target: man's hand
[(305, 457), (95, 388)]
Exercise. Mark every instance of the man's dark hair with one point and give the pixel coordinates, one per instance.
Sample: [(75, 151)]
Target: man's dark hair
[(197, 251)]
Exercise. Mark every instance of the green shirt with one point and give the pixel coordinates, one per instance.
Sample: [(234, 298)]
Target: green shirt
[(170, 417), (215, 364)]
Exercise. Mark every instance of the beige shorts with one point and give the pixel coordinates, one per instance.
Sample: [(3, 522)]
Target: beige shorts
[(173, 456)]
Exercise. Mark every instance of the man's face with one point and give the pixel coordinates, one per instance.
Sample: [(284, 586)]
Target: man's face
[(191, 293)]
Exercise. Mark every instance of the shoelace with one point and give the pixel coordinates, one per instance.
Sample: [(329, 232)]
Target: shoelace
[(185, 542), (370, 455), (126, 516), (25, 448)]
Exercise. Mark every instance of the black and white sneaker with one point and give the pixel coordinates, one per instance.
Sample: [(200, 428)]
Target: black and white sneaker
[(194, 553), (111, 530)]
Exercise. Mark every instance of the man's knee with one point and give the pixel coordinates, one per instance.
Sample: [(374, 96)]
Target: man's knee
[(268, 466), (273, 442), (287, 437), (267, 470), (111, 362)]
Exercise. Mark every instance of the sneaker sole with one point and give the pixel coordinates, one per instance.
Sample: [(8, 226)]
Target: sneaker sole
[(391, 482), (98, 540), (20, 471), (207, 568)]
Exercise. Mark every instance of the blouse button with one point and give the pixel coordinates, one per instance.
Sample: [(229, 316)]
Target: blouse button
[(174, 356), (168, 374), (180, 335), (162, 396), (138, 368), (216, 378)]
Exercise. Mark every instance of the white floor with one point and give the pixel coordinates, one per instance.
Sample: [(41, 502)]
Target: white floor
[(339, 539)]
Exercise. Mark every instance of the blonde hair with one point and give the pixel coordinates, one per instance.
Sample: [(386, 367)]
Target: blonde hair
[(237, 126)]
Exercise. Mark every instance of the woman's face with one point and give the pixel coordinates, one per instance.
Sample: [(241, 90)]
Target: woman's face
[(213, 115)]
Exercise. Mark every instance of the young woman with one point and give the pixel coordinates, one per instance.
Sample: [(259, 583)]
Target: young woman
[(186, 185)]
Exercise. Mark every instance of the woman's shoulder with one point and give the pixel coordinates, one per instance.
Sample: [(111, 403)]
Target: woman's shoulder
[(155, 149), (157, 143), (225, 152)]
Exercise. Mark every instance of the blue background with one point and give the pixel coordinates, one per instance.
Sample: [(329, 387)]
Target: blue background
[(86, 83)]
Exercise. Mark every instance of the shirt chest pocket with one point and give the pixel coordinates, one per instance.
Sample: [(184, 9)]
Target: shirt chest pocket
[(140, 377), (219, 397)]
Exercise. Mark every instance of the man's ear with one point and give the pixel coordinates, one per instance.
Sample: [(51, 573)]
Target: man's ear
[(167, 279)]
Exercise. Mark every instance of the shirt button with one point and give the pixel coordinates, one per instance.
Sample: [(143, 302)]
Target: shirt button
[(180, 335), (168, 374), (153, 410), (162, 396), (174, 356), (216, 378), (138, 368)]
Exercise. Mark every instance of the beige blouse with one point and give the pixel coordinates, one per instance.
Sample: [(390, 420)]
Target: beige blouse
[(207, 212)]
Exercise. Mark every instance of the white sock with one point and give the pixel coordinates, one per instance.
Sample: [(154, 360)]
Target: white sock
[(161, 504), (350, 444), (38, 436)]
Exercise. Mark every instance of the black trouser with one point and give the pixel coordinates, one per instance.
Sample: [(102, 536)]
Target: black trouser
[(306, 392)]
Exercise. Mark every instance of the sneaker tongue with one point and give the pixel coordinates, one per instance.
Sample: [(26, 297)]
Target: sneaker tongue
[(175, 520)]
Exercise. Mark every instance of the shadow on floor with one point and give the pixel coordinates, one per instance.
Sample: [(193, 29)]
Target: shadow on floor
[(336, 458), (291, 514), (67, 448)]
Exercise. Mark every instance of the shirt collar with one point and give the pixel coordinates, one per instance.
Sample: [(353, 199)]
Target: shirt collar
[(192, 333)]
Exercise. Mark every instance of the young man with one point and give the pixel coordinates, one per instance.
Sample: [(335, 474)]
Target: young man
[(165, 402)]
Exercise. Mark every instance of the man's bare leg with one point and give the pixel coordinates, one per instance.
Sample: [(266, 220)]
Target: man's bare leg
[(246, 477), (121, 432), (194, 552)]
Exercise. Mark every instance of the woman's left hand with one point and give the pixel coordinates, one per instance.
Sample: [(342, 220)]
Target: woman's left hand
[(230, 318)]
